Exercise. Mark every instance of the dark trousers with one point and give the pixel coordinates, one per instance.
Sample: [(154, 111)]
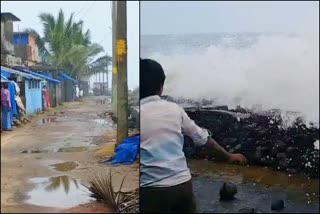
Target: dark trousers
[(175, 199)]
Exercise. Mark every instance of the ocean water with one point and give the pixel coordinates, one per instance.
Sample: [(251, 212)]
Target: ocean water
[(273, 71)]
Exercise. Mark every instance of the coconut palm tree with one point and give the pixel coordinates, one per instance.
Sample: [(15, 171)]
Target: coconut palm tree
[(69, 47), (100, 65)]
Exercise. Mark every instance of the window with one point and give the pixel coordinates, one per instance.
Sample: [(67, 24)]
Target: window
[(34, 84)]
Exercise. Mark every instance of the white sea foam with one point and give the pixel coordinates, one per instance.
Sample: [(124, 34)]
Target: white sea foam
[(276, 72)]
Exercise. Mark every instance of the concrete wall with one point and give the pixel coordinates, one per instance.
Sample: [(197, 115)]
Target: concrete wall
[(26, 48), (33, 99), (7, 47), (34, 49)]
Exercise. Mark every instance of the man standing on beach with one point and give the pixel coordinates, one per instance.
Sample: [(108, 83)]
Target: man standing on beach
[(165, 179)]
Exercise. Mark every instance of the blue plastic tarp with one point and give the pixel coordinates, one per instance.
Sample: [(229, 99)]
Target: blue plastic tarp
[(126, 152), (14, 107), (37, 74), (7, 71), (64, 76), (4, 79), (4, 73)]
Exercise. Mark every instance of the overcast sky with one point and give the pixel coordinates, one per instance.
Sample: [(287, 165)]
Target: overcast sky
[(96, 16), (226, 16)]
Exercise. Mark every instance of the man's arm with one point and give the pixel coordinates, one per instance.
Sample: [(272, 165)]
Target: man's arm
[(201, 137), (214, 147)]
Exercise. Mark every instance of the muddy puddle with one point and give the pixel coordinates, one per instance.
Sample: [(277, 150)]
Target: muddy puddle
[(59, 165), (74, 149), (47, 120), (58, 192), (65, 166), (73, 144), (60, 149), (257, 187)]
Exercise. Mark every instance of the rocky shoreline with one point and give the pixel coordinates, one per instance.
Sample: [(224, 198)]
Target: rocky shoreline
[(262, 138)]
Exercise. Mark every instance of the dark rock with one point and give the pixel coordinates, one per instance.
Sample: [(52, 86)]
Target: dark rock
[(261, 152), (292, 171), (277, 205), (281, 146), (246, 210), (241, 110), (24, 151), (291, 150), (237, 147), (283, 164), (250, 126), (263, 131), (221, 108), (231, 141), (249, 210), (260, 138), (227, 191), (281, 156)]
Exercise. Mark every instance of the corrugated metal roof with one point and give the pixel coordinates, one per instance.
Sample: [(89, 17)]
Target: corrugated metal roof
[(14, 71), (37, 74)]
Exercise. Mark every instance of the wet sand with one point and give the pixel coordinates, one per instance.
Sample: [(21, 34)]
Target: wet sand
[(51, 159)]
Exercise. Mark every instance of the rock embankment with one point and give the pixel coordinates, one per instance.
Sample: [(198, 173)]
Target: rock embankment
[(264, 138)]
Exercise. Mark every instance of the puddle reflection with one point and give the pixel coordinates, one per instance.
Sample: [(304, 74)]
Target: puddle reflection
[(65, 166), (60, 192), (47, 120)]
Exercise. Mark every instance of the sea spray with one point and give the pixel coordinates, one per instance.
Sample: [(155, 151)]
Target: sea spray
[(272, 71)]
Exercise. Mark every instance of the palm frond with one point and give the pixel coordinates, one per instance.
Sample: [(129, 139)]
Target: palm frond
[(70, 47), (102, 189)]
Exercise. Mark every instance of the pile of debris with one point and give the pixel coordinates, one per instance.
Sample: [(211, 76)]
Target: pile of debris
[(261, 137)]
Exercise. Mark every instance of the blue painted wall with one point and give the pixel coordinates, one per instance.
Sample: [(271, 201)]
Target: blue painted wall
[(21, 39), (33, 97)]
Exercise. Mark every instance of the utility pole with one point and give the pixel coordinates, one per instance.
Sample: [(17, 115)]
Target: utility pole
[(114, 59), (121, 71), (107, 81)]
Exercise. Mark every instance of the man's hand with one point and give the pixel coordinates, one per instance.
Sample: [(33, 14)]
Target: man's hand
[(238, 158), (213, 146)]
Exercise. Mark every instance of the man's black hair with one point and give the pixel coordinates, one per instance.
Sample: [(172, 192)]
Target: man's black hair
[(152, 77), (12, 77)]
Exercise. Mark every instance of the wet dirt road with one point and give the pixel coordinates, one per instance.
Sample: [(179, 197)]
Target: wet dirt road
[(45, 164)]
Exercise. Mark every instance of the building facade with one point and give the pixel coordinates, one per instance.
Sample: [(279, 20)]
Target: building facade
[(8, 56), (26, 48)]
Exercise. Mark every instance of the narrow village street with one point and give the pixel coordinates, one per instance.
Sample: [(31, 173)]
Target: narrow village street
[(46, 163)]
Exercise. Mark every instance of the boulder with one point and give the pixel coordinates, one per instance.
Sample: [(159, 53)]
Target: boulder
[(249, 210), (277, 205), (228, 191)]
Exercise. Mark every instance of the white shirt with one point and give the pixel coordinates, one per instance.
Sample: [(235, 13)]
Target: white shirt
[(77, 91), (162, 160), (17, 88)]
